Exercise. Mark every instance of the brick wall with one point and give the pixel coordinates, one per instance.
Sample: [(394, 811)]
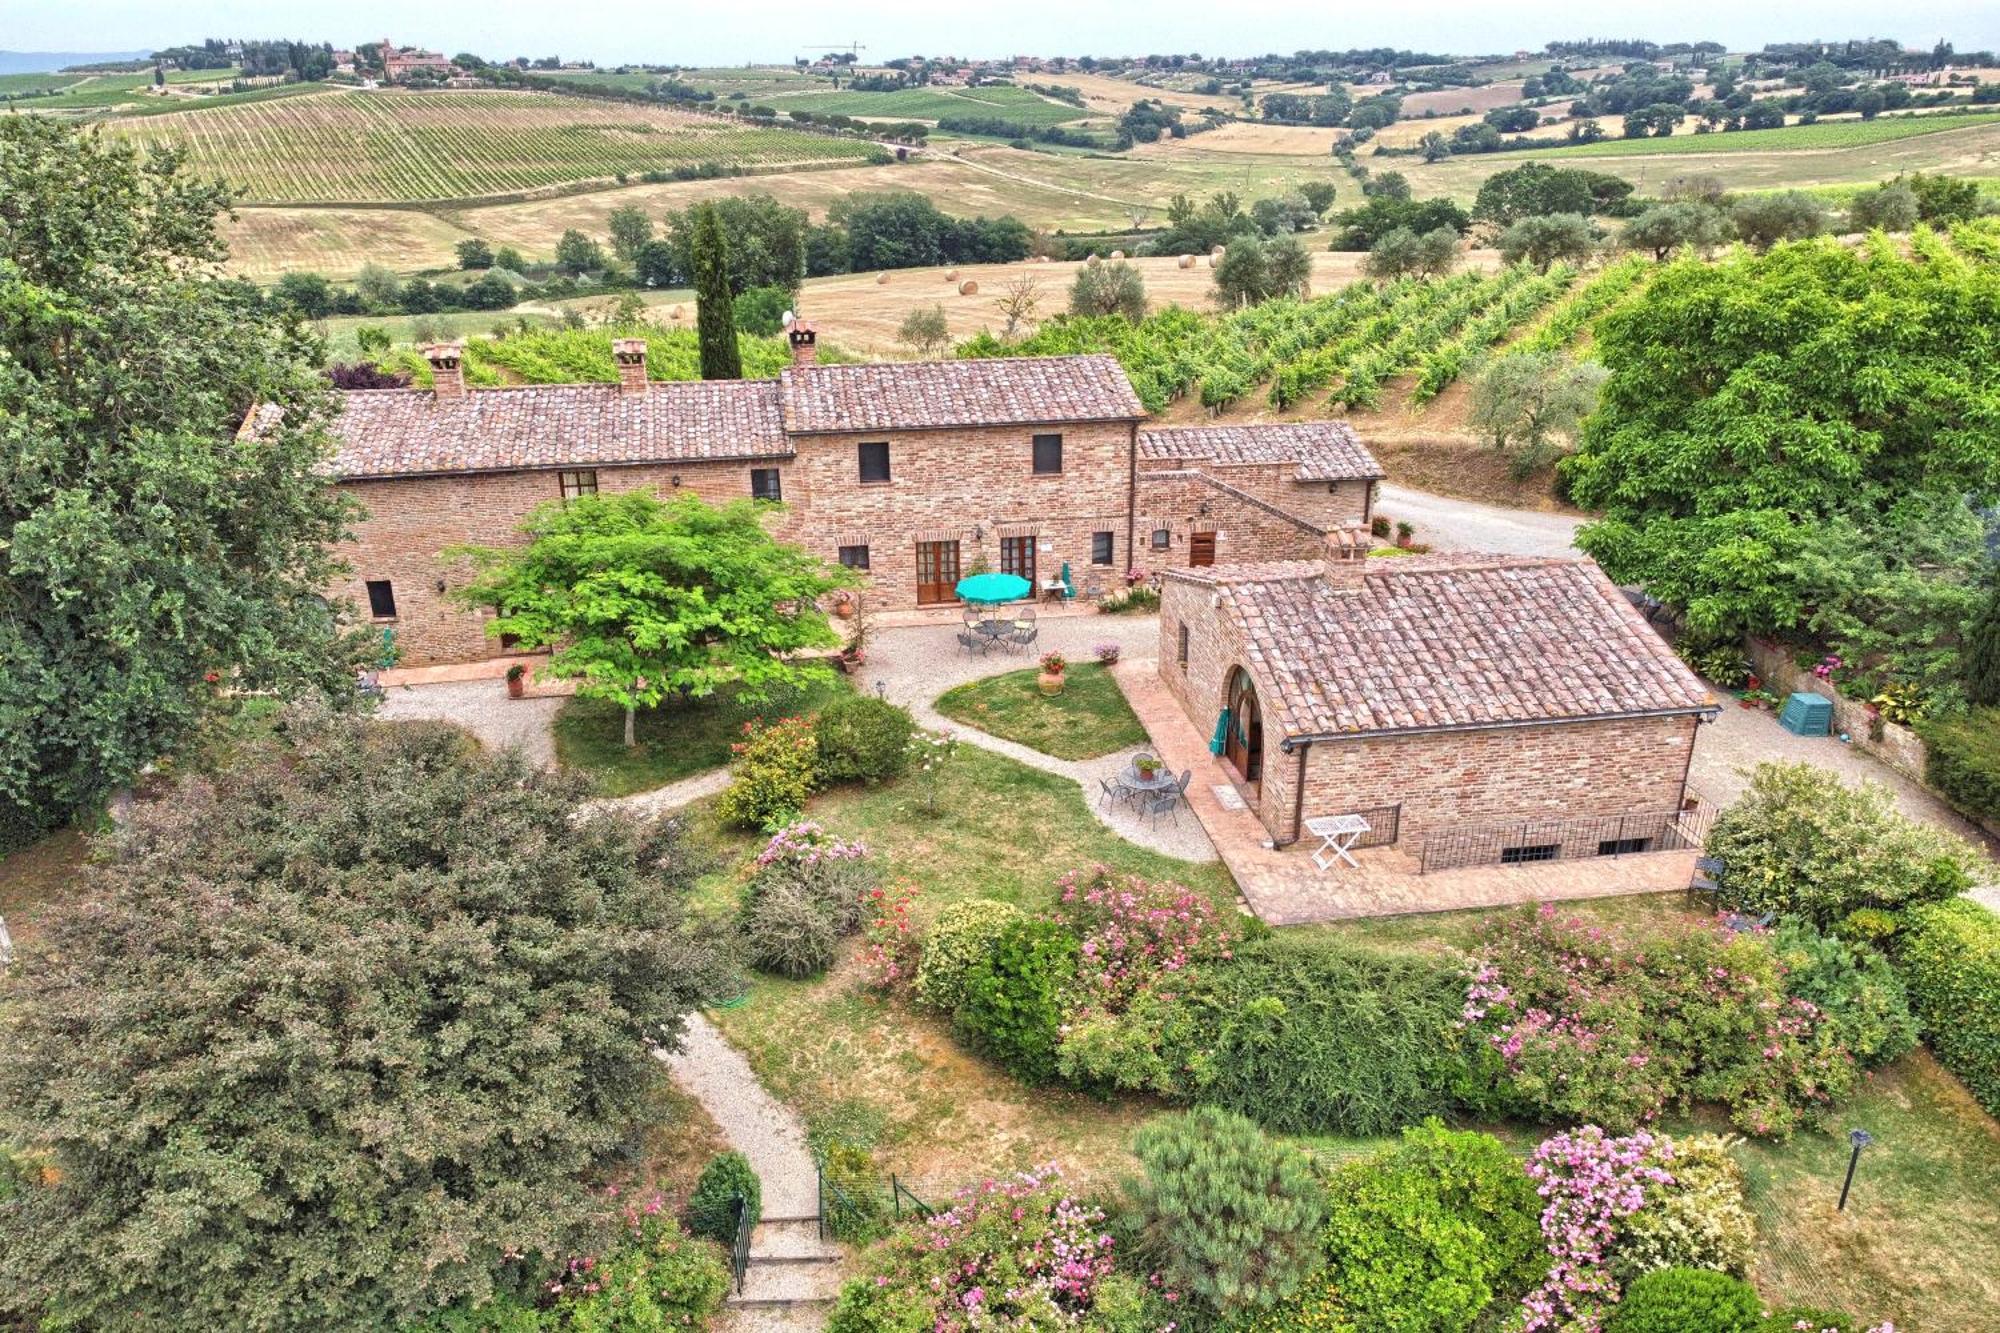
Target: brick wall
[(410, 521), (973, 486), (1247, 527), (1442, 780)]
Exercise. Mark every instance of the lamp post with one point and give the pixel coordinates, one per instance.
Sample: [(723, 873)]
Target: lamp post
[(1860, 1138)]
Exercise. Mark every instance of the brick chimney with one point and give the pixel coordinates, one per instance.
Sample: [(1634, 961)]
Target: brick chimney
[(1346, 559), (630, 354), (447, 375), (805, 343)]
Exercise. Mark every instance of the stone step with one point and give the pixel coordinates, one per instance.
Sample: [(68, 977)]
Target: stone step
[(794, 1317), (793, 1238), (787, 1282)]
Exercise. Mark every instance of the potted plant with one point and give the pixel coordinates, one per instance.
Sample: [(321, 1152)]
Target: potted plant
[(1405, 531), (856, 652), (1106, 652), (843, 603), (1148, 766), (517, 685), (1051, 679)]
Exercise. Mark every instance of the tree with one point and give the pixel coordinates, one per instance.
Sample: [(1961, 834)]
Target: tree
[(307, 295), (1980, 655), (143, 544), (1665, 228), (378, 287), (641, 599), (1534, 189), (1319, 194), (1524, 400), (630, 230), (1891, 206), (1254, 270), (759, 311), (1434, 147), (509, 258), (577, 254), (1944, 198), (324, 1058), (1018, 301), (1108, 289), (715, 316), (1741, 481), (925, 330), (474, 253), (1394, 254), (1361, 227), (1542, 241), (1232, 1214), (1786, 215), (766, 243), (1437, 251)]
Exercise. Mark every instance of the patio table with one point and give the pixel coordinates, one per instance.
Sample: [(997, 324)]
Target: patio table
[(1337, 834), (1132, 780)]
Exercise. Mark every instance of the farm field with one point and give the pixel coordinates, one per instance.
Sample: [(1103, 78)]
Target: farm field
[(1015, 104), (1448, 101), (1829, 134), (363, 147), (97, 94)]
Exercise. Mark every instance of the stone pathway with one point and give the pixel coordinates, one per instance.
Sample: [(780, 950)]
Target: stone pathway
[(482, 708), (665, 800), (914, 665)]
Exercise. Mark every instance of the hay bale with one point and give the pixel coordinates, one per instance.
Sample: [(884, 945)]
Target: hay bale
[(951, 276), (968, 288), (881, 278), (1093, 261), (677, 312), (1216, 253), (1187, 261), (1214, 259), (1117, 254)]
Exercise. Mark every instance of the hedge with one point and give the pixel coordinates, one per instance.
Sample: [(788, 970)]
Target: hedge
[(1962, 760), (1950, 956)]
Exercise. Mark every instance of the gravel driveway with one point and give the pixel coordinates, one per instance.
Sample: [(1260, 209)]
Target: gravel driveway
[(1466, 525)]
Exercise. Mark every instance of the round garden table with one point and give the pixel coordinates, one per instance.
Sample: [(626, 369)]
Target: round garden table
[(990, 589)]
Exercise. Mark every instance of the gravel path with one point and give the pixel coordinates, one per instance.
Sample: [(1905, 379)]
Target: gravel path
[(1466, 525), (665, 800), (916, 664), (482, 708), (755, 1123)]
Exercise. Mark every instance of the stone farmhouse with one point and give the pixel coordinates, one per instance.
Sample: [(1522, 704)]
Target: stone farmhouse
[(1473, 708), (914, 473)]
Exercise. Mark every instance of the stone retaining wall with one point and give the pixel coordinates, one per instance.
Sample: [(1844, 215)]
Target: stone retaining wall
[(1899, 747)]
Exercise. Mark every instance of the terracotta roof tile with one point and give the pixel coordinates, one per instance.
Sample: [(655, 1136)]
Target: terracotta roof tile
[(1324, 450), (1453, 641), (406, 432), (927, 395)]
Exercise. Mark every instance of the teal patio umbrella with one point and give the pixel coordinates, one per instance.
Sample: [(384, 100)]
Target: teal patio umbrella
[(988, 589)]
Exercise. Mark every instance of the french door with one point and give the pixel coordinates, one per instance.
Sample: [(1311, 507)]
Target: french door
[(937, 572), (1017, 556)]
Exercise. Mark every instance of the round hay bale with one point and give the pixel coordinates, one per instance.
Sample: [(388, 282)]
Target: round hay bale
[(881, 278), (677, 312), (1187, 261), (1216, 253), (1093, 261), (968, 288), (1117, 254), (1213, 260), (951, 276)]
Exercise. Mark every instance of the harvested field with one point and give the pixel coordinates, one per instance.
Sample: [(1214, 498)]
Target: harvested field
[(1251, 137), (1449, 101), (266, 243), (385, 146)]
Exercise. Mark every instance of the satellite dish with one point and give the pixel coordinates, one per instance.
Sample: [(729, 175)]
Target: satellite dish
[(789, 319)]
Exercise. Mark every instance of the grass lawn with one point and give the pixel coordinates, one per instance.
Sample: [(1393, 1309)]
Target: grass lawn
[(1089, 718), (676, 740)]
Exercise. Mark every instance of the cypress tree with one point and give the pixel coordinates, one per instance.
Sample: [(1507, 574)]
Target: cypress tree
[(715, 313), (1980, 654)]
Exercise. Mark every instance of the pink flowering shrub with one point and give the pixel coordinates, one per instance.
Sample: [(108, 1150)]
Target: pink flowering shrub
[(1593, 1026), (1011, 1254), (891, 945), (656, 1276), (1588, 1182)]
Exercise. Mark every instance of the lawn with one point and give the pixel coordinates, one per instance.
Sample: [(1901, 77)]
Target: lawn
[(1089, 718), (676, 740)]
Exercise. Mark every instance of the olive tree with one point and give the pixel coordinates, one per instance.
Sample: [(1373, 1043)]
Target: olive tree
[(1665, 228), (1528, 402), (1108, 289), (1542, 241)]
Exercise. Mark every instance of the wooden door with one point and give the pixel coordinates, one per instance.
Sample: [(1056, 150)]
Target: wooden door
[(1201, 548), (937, 572), (1243, 739)]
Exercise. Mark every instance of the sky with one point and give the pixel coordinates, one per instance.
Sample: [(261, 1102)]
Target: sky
[(773, 31)]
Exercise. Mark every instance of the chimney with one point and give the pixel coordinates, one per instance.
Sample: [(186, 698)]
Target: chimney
[(630, 354), (447, 376), (805, 349), (1346, 559)]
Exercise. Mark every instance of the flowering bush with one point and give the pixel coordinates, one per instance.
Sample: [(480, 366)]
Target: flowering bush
[(1591, 1026), (1700, 1220), (774, 770), (808, 890), (657, 1277), (962, 934), (1589, 1181), (889, 937), (1054, 663), (1012, 1254), (1106, 652), (931, 752)]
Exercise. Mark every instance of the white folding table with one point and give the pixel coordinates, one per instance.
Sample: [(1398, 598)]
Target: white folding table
[(1338, 834)]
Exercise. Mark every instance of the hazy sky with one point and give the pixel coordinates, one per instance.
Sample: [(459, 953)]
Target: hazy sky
[(673, 31)]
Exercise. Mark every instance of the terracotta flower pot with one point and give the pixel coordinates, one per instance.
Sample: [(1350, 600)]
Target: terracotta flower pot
[(1050, 682), (844, 609), (517, 687)]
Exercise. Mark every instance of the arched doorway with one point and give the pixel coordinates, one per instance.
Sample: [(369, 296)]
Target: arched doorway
[(1243, 738)]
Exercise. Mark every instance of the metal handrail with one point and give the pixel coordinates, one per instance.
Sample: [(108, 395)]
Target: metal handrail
[(842, 1205), (740, 1254), (1483, 844)]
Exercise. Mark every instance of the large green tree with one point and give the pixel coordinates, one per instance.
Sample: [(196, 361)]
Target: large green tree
[(144, 542), (714, 303), (642, 599), (1796, 435), (356, 1034)]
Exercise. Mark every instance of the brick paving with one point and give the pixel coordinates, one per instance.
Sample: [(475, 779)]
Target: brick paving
[(1284, 888)]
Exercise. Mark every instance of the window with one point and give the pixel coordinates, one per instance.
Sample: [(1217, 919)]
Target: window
[(1180, 651), (854, 557), (1514, 856), (875, 462), (1162, 538), (1623, 846), (1017, 557), (381, 599), (764, 484), (1048, 454), (582, 481), (1100, 548)]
